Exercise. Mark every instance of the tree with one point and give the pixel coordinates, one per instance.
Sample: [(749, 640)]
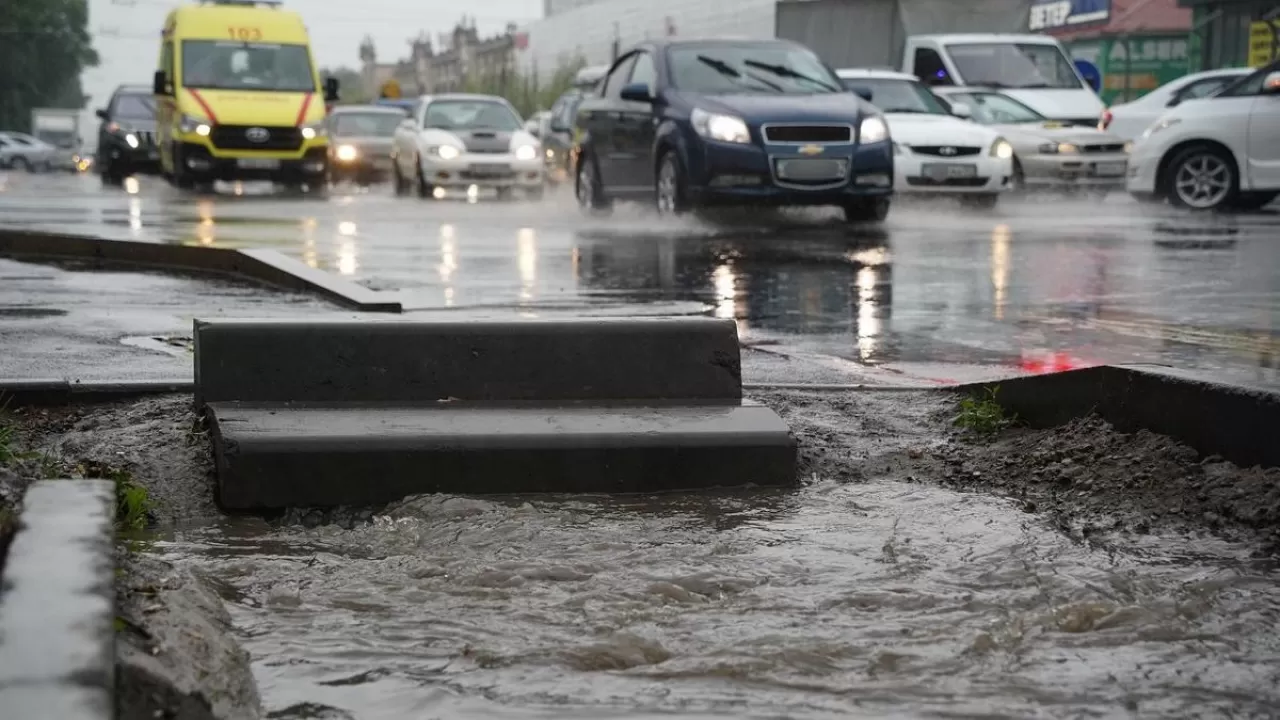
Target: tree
[(44, 44), (524, 92), (350, 85)]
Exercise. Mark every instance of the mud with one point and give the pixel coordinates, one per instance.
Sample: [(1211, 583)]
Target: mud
[(157, 441), (1086, 477), (176, 652)]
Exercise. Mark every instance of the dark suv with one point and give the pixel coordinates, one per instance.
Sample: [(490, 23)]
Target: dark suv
[(127, 135)]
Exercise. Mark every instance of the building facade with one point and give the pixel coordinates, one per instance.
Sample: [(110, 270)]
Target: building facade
[(447, 64), (558, 7), (1234, 33), (592, 31)]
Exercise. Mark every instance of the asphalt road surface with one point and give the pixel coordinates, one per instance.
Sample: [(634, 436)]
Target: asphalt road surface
[(939, 294)]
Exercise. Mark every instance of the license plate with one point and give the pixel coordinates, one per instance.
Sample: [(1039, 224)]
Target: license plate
[(490, 170), (258, 163), (1111, 169), (812, 169), (947, 171)]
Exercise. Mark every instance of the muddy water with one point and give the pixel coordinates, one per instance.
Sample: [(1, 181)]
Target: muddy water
[(877, 599)]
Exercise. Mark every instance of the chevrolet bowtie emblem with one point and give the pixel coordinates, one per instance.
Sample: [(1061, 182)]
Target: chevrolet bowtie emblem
[(811, 150)]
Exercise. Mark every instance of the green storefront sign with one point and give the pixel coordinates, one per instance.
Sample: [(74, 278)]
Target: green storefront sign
[(1135, 65)]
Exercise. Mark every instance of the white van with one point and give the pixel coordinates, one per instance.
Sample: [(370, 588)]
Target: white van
[(1033, 69)]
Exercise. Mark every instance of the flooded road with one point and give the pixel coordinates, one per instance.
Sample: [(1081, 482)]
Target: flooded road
[(1034, 285), (884, 599), (890, 596)]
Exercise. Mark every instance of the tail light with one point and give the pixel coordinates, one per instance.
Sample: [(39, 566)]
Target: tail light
[(1105, 122)]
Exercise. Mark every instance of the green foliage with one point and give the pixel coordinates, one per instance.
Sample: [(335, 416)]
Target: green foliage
[(983, 415), (525, 93), (350, 85), (44, 44)]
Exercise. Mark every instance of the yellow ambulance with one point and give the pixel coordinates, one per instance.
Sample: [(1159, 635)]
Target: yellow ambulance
[(239, 97)]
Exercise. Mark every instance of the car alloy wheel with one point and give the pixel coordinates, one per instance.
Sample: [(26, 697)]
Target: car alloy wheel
[(1203, 181), (586, 187), (668, 187)]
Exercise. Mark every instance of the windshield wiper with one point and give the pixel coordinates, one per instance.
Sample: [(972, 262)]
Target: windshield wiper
[(728, 70), (784, 71)]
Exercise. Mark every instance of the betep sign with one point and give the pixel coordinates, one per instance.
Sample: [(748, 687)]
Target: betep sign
[(1058, 14)]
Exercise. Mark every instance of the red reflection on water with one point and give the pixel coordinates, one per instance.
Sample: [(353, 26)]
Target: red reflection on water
[(1040, 363)]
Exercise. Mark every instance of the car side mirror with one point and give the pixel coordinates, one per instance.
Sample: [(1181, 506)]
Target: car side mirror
[(1271, 85), (962, 110), (159, 83), (862, 91), (559, 127), (101, 113), (637, 92), (331, 89)]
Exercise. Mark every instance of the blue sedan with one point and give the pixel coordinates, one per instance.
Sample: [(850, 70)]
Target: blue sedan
[(694, 123)]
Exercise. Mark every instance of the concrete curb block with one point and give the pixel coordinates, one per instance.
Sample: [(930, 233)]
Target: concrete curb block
[(57, 634), (336, 413), (1237, 423), (260, 265), (55, 393)]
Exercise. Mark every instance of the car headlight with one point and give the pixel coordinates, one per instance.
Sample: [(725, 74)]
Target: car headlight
[(551, 154), (188, 124), (444, 152), (132, 140), (873, 130), (1159, 125), (311, 132), (526, 152), (347, 153), (1001, 149), (722, 128), (1128, 147), (1059, 149)]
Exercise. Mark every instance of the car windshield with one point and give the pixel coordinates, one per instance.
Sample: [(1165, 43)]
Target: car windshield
[(222, 65), (772, 68), (899, 96), (365, 124), (997, 109), (1014, 65), (471, 115), (134, 107)]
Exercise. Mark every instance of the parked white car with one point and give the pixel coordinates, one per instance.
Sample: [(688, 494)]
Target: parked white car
[(1128, 120), (1047, 153), (21, 151), (1216, 152), (935, 152), (469, 142)]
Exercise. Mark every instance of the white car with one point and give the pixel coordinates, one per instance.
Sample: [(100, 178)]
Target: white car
[(1047, 153), (1216, 152), (935, 152), (1128, 120), (466, 142), (26, 152)]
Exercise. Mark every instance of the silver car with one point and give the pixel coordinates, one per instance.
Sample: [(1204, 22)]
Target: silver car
[(1046, 153), (21, 151)]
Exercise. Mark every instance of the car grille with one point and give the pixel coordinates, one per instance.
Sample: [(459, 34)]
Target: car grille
[(146, 139), (1107, 148), (232, 137), (808, 133), (950, 150), (949, 182)]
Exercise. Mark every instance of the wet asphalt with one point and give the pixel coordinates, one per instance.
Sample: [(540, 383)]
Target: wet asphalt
[(939, 294)]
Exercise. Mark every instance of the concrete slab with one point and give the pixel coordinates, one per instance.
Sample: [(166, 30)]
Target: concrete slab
[(57, 609), (1238, 423), (50, 392), (595, 359), (260, 265), (275, 457)]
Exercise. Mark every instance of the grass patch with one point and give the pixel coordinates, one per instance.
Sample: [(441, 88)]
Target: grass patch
[(983, 415)]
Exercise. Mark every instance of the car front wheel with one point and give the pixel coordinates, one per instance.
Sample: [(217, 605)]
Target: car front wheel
[(591, 198), (670, 189), (1201, 178)]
